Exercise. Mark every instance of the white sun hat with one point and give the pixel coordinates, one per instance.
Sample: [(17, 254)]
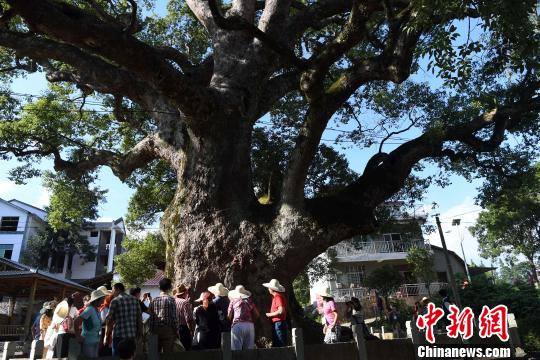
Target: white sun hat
[(274, 285), (104, 290), (239, 292), (325, 293), (219, 290), (96, 294)]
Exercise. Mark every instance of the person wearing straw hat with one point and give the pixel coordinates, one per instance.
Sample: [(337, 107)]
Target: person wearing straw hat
[(208, 328), (91, 325), (242, 312), (184, 311), (331, 328), (221, 300), (278, 313), (62, 323)]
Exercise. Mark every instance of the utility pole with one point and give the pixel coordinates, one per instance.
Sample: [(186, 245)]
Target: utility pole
[(449, 271), (457, 222)]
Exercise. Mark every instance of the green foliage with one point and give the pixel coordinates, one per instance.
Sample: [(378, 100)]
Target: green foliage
[(141, 259), (513, 271), (72, 202), (511, 222), (385, 280), (155, 187), (301, 288), (522, 300), (420, 261)]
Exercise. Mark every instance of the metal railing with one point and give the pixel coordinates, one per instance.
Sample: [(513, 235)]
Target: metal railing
[(347, 249), (405, 290), (408, 290), (347, 293), (11, 330)]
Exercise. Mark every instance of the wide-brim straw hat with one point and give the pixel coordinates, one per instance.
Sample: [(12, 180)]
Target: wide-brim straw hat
[(325, 293), (48, 305), (61, 310), (274, 285), (239, 292), (424, 299), (96, 295), (104, 290), (180, 290), (219, 290)]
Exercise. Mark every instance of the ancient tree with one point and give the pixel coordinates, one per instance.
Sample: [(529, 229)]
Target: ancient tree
[(187, 89)]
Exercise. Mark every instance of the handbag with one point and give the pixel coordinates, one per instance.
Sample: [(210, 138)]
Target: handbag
[(67, 324)]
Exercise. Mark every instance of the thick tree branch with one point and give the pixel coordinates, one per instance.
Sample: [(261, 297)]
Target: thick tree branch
[(82, 29), (122, 165), (236, 23), (385, 174), (277, 87), (92, 71), (201, 10)]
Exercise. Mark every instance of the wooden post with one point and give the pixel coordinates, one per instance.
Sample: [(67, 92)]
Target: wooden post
[(360, 342), (298, 343), (153, 349), (226, 352), (11, 309), (36, 351), (63, 293), (416, 337), (74, 349), (28, 320), (9, 350)]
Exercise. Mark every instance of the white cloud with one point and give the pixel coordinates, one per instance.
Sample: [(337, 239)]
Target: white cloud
[(44, 198), (467, 212), (6, 189)]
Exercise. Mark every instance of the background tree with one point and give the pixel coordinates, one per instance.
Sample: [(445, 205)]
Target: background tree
[(420, 261), (511, 223), (385, 280), (188, 89), (143, 256), (513, 271)]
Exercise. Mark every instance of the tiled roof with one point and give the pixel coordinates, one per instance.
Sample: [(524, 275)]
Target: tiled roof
[(159, 275)]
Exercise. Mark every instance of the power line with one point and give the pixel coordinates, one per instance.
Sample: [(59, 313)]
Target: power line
[(159, 111)]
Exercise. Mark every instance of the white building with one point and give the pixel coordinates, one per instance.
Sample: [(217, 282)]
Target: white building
[(355, 259), (20, 221)]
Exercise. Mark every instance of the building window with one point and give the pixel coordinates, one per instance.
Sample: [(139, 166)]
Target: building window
[(9, 223), (94, 234), (6, 251), (392, 237)]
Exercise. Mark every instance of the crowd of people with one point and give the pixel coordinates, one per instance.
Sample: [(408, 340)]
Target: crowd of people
[(111, 321)]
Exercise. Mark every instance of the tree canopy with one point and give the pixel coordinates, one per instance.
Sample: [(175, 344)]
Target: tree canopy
[(217, 112), (510, 225)]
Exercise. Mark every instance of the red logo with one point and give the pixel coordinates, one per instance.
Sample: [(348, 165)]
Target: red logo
[(494, 322), (429, 320), (461, 323)]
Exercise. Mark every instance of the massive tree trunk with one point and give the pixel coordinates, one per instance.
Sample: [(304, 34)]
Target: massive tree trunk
[(217, 231)]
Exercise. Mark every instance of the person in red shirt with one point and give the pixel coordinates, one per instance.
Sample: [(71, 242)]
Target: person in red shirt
[(278, 313)]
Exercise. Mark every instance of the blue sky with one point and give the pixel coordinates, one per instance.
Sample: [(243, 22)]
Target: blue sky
[(456, 200)]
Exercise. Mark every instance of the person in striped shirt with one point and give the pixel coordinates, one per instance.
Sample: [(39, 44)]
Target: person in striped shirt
[(163, 317), (184, 311)]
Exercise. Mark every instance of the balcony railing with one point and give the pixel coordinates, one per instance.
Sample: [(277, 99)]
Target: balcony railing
[(405, 290), (408, 290), (347, 293), (347, 249)]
